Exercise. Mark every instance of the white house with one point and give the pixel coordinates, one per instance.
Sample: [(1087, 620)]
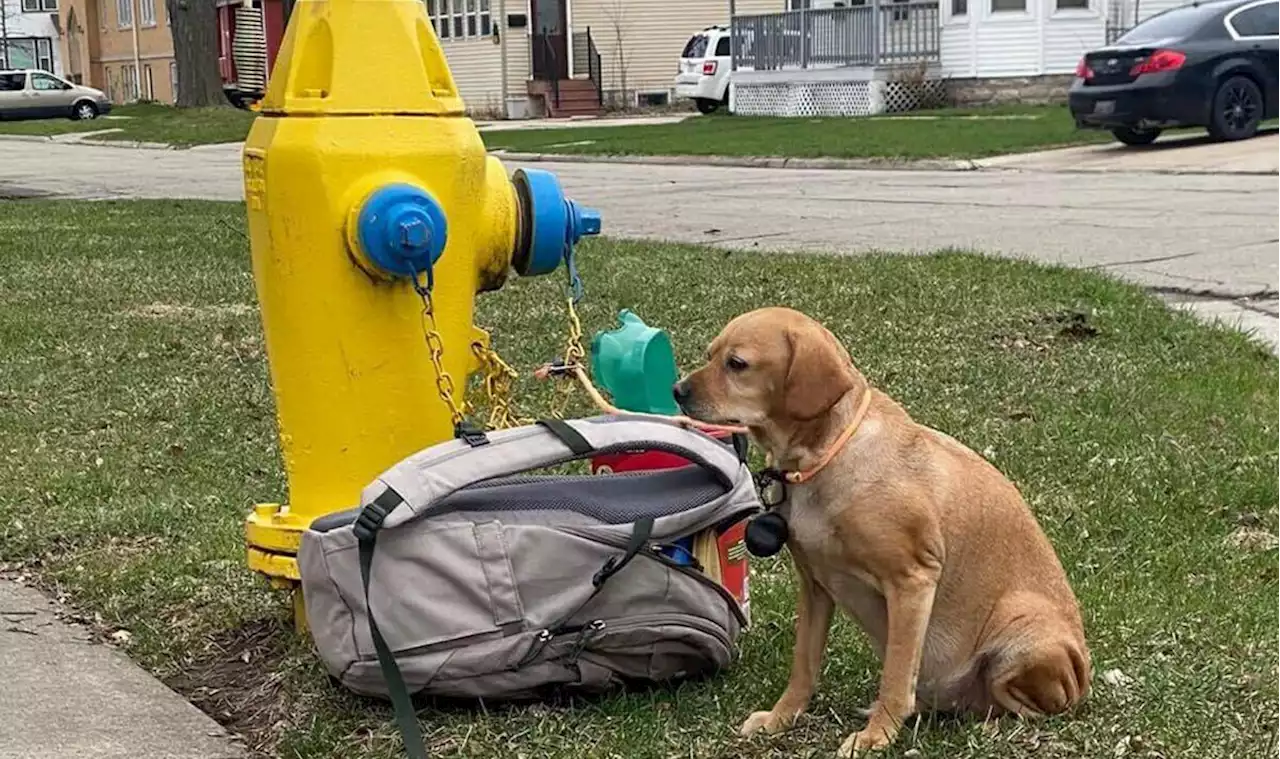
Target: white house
[(30, 34), (858, 57)]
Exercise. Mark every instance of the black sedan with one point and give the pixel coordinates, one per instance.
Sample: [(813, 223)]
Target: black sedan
[(1209, 64)]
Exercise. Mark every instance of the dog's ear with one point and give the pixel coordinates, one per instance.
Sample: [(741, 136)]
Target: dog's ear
[(818, 374)]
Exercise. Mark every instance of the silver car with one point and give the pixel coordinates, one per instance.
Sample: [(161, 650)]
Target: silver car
[(30, 94)]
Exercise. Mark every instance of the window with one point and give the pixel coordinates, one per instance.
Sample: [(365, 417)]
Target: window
[(173, 81), (148, 84), (28, 53), (128, 83), (722, 47), (39, 6), (1073, 5), (124, 14), (147, 12), (44, 54), (46, 83), (460, 19), (1171, 24), (15, 82), (959, 7), (1008, 6), (1258, 21), (696, 47)]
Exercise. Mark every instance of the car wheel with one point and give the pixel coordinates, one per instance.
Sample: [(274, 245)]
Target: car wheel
[(706, 106), (1237, 109), (85, 111), (1131, 136)]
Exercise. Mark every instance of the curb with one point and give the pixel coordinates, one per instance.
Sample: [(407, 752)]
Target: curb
[(62, 139), (862, 164)]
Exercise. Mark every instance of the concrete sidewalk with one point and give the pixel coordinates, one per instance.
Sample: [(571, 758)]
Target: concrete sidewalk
[(65, 696), (1190, 154)]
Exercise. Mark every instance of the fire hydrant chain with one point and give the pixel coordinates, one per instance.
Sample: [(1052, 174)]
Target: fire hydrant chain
[(435, 347), (498, 382)]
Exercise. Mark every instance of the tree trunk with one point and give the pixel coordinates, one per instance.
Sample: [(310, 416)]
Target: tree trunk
[(194, 25)]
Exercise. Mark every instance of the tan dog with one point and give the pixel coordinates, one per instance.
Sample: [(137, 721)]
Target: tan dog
[(928, 546)]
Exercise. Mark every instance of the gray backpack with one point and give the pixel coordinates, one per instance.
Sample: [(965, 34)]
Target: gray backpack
[(486, 582)]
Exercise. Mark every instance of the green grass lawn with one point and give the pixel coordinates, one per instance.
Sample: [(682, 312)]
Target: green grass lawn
[(973, 133), (951, 133), (150, 122), (138, 429)]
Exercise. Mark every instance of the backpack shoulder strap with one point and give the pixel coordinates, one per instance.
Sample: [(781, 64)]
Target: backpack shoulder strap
[(427, 477)]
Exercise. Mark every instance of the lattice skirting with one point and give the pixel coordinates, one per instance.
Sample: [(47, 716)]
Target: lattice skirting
[(835, 98), (908, 96)]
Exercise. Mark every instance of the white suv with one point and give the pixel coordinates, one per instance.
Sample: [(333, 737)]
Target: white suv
[(704, 69)]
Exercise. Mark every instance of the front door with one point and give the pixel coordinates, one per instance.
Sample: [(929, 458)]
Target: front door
[(550, 39)]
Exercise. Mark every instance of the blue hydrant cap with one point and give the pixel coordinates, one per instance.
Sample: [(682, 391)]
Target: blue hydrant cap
[(558, 223), (402, 229)]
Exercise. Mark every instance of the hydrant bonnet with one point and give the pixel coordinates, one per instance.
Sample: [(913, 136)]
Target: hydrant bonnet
[(401, 230)]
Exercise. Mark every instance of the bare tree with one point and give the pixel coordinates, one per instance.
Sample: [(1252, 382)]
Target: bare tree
[(194, 24), (616, 12)]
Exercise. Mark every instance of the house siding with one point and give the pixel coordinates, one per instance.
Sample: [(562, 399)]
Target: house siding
[(477, 71), (1043, 41), (644, 39)]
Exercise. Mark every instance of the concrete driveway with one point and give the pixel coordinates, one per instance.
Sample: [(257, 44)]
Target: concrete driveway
[(1205, 240), (1189, 154)]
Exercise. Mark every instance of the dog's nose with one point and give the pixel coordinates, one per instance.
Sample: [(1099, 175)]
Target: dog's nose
[(681, 391)]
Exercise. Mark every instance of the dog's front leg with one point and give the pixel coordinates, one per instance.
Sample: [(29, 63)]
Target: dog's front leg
[(814, 608), (909, 602)]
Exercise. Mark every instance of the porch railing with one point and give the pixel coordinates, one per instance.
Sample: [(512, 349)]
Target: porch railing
[(546, 63), (866, 35), (586, 60), (1115, 32)]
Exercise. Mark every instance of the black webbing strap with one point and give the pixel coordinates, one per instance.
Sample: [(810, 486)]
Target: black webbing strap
[(366, 532), (741, 446), (640, 532), (568, 435)]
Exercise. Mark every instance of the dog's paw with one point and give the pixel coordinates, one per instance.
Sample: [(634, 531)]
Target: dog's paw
[(767, 722), (864, 740)]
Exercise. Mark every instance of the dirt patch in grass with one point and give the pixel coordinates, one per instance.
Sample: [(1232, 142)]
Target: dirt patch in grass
[(237, 679), (179, 311), (1047, 331)]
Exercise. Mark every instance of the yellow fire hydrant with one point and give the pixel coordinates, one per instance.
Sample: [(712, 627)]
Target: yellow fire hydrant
[(370, 195)]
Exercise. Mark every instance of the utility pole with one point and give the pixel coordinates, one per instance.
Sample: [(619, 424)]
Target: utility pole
[(4, 35), (137, 59)]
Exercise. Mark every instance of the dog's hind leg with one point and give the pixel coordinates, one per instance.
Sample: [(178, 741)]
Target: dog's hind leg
[(1037, 668)]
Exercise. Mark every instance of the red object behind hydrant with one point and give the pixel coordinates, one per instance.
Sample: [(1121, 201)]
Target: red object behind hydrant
[(734, 564)]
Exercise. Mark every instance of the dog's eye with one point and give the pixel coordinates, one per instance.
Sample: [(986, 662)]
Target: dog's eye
[(735, 364)]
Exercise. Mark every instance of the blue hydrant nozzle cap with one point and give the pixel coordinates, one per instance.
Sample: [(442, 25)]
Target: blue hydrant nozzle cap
[(401, 229), (552, 223), (586, 221)]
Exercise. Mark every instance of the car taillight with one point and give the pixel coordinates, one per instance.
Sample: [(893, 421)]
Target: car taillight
[(1160, 60), (1083, 71), (708, 68)]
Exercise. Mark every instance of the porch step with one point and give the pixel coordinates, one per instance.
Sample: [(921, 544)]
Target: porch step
[(577, 97)]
